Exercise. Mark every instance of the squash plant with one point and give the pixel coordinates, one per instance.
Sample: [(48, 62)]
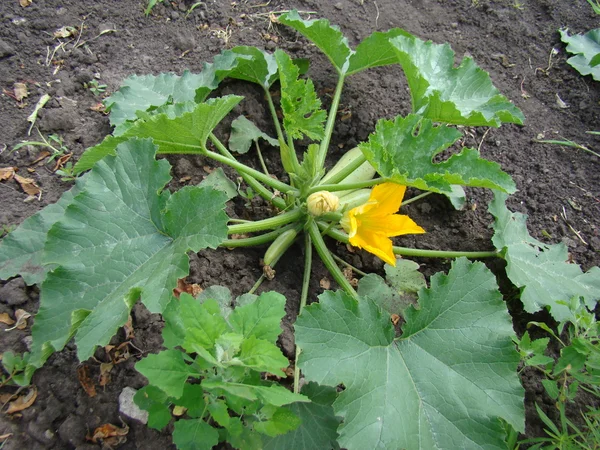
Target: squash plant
[(448, 380)]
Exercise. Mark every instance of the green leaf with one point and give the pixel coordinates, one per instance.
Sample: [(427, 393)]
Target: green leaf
[(21, 250), (403, 150), (121, 237), (374, 51), (166, 370), (222, 295), (299, 102), (280, 421), (260, 318), (273, 395), (155, 402), (182, 134), (443, 384), (317, 430), (194, 434), (203, 323), (141, 93), (457, 197), (244, 132), (192, 399), (254, 65), (220, 413), (542, 271), (218, 180), (327, 37), (463, 96), (586, 49), (262, 356)]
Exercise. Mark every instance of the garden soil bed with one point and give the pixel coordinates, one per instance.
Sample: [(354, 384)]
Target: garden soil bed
[(559, 187)]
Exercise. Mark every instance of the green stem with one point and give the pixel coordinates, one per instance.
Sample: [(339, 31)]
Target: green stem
[(405, 251), (303, 299), (266, 224), (415, 198), (255, 240), (347, 170), (274, 114), (330, 122), (328, 260), (252, 182), (346, 187), (260, 158), (347, 264)]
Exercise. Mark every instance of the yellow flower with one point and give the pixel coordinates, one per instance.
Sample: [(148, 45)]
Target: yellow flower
[(371, 225)]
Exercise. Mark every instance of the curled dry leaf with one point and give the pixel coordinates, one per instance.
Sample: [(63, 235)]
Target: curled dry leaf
[(268, 272), (20, 91), (21, 317), (128, 328), (60, 162), (109, 435), (6, 173), (325, 283), (22, 402), (83, 373), (4, 437), (41, 156), (395, 318), (25, 3), (28, 186), (105, 369), (183, 286)]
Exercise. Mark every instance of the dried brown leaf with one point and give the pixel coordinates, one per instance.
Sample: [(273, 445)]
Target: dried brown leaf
[(28, 185), (25, 3), (60, 162), (107, 431), (325, 283), (20, 91), (128, 328), (105, 369), (42, 155), (4, 437), (22, 402), (183, 286), (6, 173), (6, 319), (83, 373)]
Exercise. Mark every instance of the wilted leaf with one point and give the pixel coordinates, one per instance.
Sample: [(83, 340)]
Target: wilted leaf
[(6, 319), (21, 317), (22, 402), (105, 369), (183, 286), (83, 374), (109, 435), (128, 328)]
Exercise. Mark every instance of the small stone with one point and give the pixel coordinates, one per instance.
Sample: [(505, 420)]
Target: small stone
[(339, 5), (184, 42), (13, 293), (128, 408), (6, 49)]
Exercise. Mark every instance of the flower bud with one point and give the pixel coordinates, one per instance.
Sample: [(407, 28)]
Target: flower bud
[(322, 202)]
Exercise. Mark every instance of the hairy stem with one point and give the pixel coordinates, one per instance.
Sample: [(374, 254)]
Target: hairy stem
[(303, 298), (335, 103), (328, 260), (266, 224), (405, 251), (252, 182)]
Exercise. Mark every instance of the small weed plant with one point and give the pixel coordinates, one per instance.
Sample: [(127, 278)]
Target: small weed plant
[(447, 379)]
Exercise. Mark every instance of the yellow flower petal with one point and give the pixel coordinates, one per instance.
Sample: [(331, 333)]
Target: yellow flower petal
[(377, 244), (389, 197)]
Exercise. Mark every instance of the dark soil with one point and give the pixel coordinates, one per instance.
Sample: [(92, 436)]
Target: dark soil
[(558, 186)]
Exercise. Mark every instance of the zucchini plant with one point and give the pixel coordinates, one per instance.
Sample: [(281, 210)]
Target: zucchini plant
[(446, 379)]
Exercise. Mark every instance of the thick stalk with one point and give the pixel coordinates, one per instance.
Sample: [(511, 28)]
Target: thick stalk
[(327, 259), (404, 251), (274, 114), (252, 182), (346, 187), (330, 122), (266, 224), (303, 298), (242, 168), (255, 240)]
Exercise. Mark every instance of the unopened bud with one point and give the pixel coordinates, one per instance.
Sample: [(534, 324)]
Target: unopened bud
[(322, 202)]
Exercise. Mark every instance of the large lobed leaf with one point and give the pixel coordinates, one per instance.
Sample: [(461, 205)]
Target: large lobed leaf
[(141, 93), (443, 384), (121, 238), (403, 150), (541, 270), (184, 133), (586, 48), (463, 95)]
